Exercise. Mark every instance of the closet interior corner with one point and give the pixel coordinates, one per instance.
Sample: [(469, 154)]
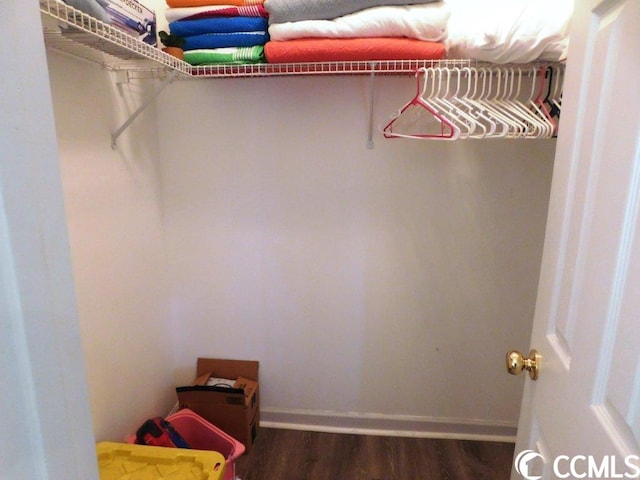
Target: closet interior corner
[(242, 211)]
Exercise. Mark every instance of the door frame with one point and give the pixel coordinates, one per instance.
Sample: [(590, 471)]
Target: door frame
[(50, 434)]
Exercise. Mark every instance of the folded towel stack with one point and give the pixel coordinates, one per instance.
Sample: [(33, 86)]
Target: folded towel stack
[(358, 30), (302, 31), (220, 31)]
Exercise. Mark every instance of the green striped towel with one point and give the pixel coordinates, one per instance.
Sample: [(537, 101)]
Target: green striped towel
[(226, 55)]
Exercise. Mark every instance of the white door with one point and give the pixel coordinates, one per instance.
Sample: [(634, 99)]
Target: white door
[(581, 418)]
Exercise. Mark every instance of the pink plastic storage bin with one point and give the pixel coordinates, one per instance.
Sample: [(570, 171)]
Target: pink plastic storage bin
[(202, 435)]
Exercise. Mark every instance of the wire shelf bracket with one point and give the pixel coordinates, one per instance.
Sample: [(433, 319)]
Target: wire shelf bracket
[(372, 84), (114, 136)]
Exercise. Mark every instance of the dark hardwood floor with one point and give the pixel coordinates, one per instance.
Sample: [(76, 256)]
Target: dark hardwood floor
[(297, 455)]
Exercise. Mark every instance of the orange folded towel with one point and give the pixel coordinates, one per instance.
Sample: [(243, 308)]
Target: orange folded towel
[(352, 49)]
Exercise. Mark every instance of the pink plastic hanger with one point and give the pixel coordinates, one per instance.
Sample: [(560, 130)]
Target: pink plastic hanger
[(540, 104), (418, 109)]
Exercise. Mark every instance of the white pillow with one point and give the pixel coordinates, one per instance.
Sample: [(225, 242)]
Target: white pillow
[(509, 31)]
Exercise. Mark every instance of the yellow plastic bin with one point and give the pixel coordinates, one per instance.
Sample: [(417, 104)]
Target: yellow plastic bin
[(120, 461)]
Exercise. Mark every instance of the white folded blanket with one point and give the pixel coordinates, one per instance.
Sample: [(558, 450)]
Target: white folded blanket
[(423, 22), (509, 31)]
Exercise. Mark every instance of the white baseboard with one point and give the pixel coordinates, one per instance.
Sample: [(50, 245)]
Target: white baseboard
[(387, 425)]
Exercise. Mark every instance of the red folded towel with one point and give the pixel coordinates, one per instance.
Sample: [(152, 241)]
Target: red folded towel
[(202, 3)]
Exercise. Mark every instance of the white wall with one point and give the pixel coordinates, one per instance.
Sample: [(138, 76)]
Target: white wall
[(378, 288), (114, 214)]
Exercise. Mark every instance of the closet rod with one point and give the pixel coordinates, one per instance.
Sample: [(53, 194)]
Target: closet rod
[(141, 108)]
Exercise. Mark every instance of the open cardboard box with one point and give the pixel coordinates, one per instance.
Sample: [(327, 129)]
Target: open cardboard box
[(234, 410)]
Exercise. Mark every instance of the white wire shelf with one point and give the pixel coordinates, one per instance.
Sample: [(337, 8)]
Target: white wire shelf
[(378, 67), (73, 32)]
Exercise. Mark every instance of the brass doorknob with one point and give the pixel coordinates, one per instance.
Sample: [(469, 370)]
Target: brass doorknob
[(517, 363)]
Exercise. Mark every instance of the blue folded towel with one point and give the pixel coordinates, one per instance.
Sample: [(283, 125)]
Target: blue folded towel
[(201, 26), (220, 40)]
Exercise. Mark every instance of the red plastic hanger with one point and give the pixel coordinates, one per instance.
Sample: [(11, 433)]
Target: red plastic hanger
[(418, 109)]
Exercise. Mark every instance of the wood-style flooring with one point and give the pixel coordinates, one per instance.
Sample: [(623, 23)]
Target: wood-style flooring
[(300, 455)]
